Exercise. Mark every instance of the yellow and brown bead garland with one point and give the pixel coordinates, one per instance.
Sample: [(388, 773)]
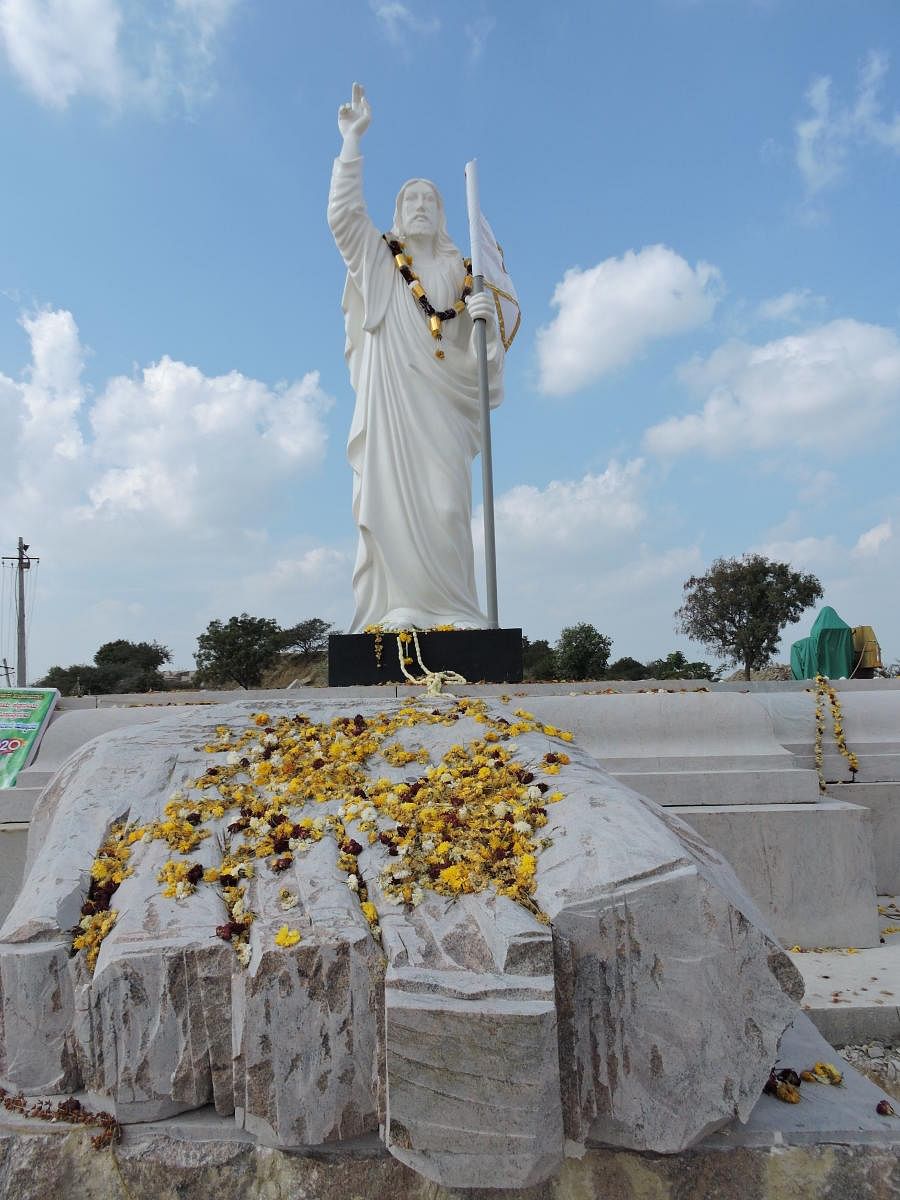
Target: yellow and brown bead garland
[(435, 317)]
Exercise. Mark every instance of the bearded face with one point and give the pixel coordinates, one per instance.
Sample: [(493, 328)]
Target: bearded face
[(420, 210), (419, 213)]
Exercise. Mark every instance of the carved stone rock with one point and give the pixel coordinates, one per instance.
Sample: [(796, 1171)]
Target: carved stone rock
[(478, 1039)]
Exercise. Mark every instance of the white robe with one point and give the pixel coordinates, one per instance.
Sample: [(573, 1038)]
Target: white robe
[(415, 429)]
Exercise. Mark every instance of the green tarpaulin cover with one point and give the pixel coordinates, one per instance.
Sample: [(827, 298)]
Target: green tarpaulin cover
[(827, 651)]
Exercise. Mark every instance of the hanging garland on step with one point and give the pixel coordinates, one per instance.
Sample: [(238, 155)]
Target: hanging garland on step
[(824, 691)]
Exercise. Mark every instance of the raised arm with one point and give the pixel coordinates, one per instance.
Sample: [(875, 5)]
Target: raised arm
[(358, 240), (353, 121)]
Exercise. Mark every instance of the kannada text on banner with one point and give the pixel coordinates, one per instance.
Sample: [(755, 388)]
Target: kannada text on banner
[(24, 713)]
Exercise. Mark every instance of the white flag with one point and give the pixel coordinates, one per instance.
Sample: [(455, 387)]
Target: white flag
[(496, 277), (487, 260)]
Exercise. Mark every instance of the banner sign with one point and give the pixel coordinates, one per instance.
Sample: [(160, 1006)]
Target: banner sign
[(24, 714)]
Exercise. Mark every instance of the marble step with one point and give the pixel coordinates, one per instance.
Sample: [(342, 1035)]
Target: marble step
[(809, 867)]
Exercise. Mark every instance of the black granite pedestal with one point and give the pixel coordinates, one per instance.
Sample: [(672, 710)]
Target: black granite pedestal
[(479, 655)]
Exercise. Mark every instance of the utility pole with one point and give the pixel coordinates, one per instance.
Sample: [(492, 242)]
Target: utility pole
[(23, 562), (6, 670)]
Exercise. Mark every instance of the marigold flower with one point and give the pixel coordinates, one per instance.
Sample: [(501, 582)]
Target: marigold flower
[(287, 937), (454, 877), (464, 824)]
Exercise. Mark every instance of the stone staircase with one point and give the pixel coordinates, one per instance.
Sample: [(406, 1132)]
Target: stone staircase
[(872, 728), (715, 760)]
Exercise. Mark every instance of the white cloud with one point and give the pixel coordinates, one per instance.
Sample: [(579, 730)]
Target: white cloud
[(477, 33), (115, 51), (869, 543), (206, 16), (797, 391), (789, 306), (821, 140), (814, 486), (176, 442), (884, 132), (610, 312), (303, 583), (52, 393), (830, 131), (157, 495), (60, 50), (399, 22), (168, 440), (815, 554), (573, 513), (579, 550)]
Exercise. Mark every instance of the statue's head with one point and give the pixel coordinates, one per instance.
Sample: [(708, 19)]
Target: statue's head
[(419, 212)]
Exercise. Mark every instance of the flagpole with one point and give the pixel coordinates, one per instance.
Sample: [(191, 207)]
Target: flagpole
[(487, 466)]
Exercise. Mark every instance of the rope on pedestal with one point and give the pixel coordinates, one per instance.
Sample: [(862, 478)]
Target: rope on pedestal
[(433, 680)]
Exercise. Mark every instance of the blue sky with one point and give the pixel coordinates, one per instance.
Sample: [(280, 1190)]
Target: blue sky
[(697, 201)]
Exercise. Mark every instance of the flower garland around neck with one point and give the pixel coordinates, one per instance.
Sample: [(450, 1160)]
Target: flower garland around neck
[(435, 317), (824, 691)]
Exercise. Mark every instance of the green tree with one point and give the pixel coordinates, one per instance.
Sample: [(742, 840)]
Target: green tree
[(740, 606), (627, 668), (238, 650), (119, 666), (538, 659), (676, 666), (582, 652), (308, 637), (78, 680), (124, 666)]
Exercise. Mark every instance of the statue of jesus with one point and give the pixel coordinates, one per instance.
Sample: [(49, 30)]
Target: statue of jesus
[(415, 431)]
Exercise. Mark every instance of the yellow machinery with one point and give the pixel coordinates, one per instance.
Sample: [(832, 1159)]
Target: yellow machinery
[(868, 652)]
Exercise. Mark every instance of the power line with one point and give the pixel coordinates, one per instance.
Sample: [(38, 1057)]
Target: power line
[(32, 597), (23, 563), (7, 609), (3, 646)]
